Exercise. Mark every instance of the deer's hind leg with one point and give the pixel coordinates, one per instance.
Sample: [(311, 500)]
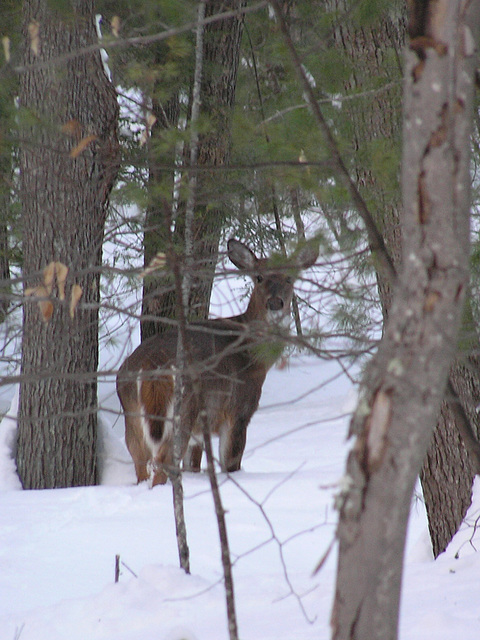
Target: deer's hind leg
[(192, 459), (191, 455), (156, 417), (137, 446), (162, 441)]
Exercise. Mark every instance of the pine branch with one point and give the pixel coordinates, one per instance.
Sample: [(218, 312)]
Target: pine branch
[(376, 242)]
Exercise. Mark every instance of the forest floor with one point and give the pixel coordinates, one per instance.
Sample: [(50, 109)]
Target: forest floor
[(58, 547)]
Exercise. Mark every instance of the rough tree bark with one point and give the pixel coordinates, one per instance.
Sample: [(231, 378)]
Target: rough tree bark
[(404, 385), (8, 94), (375, 52), (447, 474), (158, 300), (5, 198), (448, 470), (68, 163), (221, 56)]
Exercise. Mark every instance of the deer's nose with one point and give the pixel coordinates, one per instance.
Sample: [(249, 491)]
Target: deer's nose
[(274, 304)]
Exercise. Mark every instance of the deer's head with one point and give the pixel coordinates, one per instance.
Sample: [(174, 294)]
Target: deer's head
[(273, 279)]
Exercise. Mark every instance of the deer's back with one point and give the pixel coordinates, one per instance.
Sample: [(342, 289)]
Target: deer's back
[(219, 354)]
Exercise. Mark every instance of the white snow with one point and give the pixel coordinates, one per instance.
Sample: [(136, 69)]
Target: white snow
[(58, 547)]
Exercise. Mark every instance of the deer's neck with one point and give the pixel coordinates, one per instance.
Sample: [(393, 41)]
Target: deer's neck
[(265, 335)]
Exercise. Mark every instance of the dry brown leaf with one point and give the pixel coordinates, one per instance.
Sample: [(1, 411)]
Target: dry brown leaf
[(62, 272), (430, 301), (33, 31), (115, 24), (58, 271), (151, 119), (6, 48), (48, 277), (46, 309), (157, 262), (72, 128), (82, 145), (303, 158), (144, 138), (76, 295), (46, 306), (32, 291)]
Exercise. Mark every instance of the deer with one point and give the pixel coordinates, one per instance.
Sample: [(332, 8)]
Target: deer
[(229, 359)]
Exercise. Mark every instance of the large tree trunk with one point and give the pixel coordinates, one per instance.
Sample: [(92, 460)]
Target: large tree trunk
[(375, 52), (158, 301), (221, 52), (448, 471), (68, 164), (447, 474), (405, 382), (5, 198), (219, 83), (8, 93)]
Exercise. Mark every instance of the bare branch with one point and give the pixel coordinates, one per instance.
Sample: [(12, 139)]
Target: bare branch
[(118, 43), (222, 530), (377, 244)]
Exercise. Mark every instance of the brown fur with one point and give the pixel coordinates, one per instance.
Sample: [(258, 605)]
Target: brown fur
[(156, 393), (231, 358)]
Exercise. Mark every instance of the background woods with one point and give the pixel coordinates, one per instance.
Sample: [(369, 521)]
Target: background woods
[(136, 138)]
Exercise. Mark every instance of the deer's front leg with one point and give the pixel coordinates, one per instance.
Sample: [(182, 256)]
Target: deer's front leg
[(233, 438)]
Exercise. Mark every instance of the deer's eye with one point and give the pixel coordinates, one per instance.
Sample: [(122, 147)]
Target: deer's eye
[(259, 278), (288, 280)]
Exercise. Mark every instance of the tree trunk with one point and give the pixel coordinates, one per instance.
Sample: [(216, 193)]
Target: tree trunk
[(221, 56), (68, 163), (5, 197), (158, 299), (219, 82), (8, 93), (405, 382), (447, 474), (374, 52)]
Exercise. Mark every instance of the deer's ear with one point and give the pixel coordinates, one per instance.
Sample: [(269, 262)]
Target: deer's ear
[(241, 256), (306, 255)]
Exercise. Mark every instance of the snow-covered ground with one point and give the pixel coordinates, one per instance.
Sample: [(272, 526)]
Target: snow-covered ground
[(58, 547)]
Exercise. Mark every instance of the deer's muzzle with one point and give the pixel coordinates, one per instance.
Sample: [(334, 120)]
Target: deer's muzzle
[(275, 304)]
